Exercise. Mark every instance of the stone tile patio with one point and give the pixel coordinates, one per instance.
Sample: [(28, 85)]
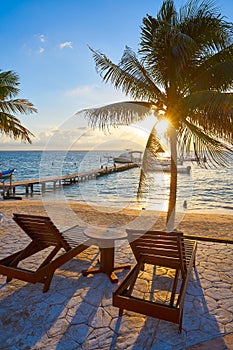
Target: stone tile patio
[(77, 311)]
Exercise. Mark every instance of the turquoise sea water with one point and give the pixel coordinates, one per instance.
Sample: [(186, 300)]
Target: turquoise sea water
[(203, 190)]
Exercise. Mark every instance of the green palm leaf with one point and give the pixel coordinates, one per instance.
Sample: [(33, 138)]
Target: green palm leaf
[(12, 127), (9, 124), (121, 113), (130, 76)]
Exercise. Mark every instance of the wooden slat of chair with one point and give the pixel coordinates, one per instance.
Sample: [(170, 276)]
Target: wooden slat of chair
[(44, 234), (163, 249), (41, 229), (160, 248)]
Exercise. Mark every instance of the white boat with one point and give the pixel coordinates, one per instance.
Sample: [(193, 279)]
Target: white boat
[(156, 165), (164, 161), (164, 165), (129, 157), (167, 169)]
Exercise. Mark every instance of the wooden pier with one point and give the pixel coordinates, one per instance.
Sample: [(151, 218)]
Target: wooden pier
[(8, 188)]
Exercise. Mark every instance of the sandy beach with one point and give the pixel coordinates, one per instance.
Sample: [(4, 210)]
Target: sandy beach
[(70, 213)]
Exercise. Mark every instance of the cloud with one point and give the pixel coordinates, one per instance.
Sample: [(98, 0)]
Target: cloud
[(32, 47), (70, 136), (67, 138), (41, 38), (41, 50), (94, 95), (66, 44)]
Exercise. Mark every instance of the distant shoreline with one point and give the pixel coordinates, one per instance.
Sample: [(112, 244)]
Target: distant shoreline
[(218, 211)]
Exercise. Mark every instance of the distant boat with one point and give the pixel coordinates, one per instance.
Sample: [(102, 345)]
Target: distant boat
[(165, 161), (167, 168), (6, 174), (164, 165), (129, 157)]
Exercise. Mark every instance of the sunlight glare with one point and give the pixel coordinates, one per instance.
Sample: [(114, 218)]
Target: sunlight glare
[(162, 126)]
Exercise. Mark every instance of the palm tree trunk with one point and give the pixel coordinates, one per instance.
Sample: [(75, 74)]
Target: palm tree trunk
[(173, 182)]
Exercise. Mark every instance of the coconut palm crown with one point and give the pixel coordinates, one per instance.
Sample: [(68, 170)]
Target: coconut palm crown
[(9, 106), (183, 72)]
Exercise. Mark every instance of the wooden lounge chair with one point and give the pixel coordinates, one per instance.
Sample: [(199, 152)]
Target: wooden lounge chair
[(44, 234), (169, 250)]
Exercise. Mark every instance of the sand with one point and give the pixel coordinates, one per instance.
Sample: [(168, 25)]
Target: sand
[(68, 214)]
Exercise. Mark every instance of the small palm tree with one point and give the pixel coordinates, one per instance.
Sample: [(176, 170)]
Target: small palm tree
[(184, 74), (9, 123)]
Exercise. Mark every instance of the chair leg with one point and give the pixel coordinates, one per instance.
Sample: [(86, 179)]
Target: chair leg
[(47, 282), (194, 262), (181, 321), (174, 288), (134, 279), (121, 312)]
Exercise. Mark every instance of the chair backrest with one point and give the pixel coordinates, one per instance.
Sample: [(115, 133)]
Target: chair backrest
[(158, 248), (41, 230)]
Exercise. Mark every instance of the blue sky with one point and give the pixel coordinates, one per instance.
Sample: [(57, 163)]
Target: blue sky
[(46, 43)]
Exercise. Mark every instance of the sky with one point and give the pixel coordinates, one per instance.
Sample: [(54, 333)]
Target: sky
[(46, 42)]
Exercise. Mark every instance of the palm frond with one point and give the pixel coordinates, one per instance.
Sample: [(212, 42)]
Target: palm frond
[(12, 127), (205, 62), (153, 144), (217, 77), (129, 75), (9, 81), (182, 48), (143, 185), (121, 113), (204, 22), (9, 124), (153, 147), (155, 48), (167, 14), (212, 111), (172, 44), (17, 106), (130, 64), (208, 150)]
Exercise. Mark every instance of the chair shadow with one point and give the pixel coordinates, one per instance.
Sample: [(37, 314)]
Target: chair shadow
[(27, 314), (77, 313), (90, 318), (72, 308)]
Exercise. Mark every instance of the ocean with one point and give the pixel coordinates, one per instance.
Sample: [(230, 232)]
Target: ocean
[(203, 190)]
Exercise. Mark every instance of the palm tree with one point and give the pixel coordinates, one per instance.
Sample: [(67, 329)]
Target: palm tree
[(184, 74), (9, 123)]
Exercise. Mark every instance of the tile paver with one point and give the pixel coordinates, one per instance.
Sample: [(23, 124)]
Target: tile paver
[(77, 311)]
